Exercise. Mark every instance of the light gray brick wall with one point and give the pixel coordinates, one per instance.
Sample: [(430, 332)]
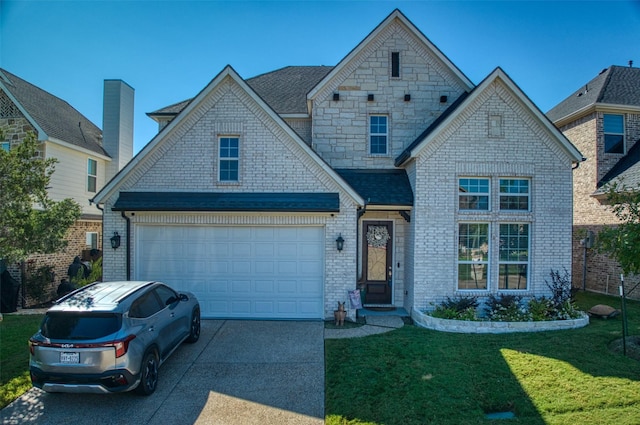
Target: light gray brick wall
[(341, 128), (466, 150), (270, 161)]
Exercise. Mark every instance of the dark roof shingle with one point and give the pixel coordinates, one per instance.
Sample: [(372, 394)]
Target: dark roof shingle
[(380, 187), (616, 85), (55, 116), (285, 90), (221, 201)]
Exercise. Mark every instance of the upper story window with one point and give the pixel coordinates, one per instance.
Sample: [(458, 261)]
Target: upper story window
[(395, 64), (514, 194), (92, 175), (378, 134), (473, 194), (613, 133), (229, 160)]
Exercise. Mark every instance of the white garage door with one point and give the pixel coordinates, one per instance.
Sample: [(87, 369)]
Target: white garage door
[(238, 272)]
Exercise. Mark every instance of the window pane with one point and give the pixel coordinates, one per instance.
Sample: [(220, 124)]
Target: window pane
[(613, 143), (91, 184), (228, 170), (472, 276), (473, 202), (613, 123), (513, 276), (92, 167), (473, 242), (378, 134), (379, 144), (514, 242)]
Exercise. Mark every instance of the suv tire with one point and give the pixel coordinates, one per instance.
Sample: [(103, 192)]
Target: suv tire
[(148, 374), (194, 332)]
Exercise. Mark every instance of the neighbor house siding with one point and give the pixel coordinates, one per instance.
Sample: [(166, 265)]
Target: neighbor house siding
[(70, 177)]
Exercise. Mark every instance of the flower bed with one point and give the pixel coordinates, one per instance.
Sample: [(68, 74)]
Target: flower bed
[(465, 326)]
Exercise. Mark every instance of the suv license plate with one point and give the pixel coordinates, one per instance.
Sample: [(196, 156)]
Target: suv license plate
[(69, 357)]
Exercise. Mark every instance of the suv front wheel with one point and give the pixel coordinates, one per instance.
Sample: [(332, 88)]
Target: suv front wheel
[(148, 374)]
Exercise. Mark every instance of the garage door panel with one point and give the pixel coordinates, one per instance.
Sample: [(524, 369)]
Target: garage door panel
[(238, 272)]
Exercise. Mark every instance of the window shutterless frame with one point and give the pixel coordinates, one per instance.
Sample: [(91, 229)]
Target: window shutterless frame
[(378, 134), (92, 175), (474, 194), (613, 128), (228, 158)]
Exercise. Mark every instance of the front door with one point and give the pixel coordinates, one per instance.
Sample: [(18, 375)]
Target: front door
[(377, 257)]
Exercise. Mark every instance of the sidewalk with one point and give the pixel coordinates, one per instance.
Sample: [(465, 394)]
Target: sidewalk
[(374, 325)]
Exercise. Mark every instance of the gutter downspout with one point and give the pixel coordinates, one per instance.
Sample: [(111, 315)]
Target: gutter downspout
[(102, 222), (128, 244)]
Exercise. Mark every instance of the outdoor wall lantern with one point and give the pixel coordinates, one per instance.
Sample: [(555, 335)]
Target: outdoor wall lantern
[(340, 242), (115, 240)]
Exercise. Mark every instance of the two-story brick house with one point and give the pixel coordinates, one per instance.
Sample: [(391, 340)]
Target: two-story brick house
[(602, 119), (87, 156), (391, 172)]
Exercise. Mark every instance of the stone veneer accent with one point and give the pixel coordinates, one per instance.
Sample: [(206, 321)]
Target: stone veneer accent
[(480, 327)]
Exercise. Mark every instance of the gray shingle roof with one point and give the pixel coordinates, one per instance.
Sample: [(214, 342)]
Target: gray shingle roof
[(55, 116), (380, 187), (616, 85), (218, 201), (285, 89)]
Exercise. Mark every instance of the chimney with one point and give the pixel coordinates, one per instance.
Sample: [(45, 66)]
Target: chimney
[(117, 124)]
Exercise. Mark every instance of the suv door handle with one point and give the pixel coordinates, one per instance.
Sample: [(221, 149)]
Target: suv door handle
[(152, 328)]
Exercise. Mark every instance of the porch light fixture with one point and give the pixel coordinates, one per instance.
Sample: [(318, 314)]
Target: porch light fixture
[(115, 240), (340, 242)]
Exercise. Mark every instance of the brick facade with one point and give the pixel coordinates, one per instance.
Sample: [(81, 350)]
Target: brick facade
[(590, 213)]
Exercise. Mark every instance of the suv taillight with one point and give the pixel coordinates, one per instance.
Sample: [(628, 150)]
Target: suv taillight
[(122, 345), (32, 344)]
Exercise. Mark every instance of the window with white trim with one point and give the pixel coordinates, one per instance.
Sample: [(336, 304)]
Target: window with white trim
[(513, 262), (92, 175), (473, 194), (229, 159), (514, 194), (92, 240), (613, 133), (473, 256), (378, 134)]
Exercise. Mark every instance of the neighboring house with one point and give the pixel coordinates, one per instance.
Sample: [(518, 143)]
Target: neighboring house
[(87, 157), (273, 197), (602, 119)]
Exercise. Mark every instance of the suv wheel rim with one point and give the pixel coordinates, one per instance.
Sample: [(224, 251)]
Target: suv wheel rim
[(151, 373), (195, 325)]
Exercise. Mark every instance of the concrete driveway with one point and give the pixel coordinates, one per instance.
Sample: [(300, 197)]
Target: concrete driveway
[(239, 372)]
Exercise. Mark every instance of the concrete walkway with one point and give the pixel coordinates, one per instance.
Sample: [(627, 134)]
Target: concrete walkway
[(374, 325)]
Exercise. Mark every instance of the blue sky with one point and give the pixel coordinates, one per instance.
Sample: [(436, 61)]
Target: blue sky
[(169, 50)]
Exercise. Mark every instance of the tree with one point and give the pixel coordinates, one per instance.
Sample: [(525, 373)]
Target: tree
[(30, 222), (622, 241)]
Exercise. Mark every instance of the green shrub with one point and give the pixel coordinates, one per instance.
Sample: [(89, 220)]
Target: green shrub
[(457, 308), (507, 308), (94, 276)]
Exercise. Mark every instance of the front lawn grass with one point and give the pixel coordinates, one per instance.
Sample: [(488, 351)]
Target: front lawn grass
[(418, 376), (15, 331)]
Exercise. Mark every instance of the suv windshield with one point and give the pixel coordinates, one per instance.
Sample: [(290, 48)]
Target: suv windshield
[(80, 325)]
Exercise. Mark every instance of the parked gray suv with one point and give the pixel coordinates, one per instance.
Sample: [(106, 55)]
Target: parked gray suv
[(111, 337)]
